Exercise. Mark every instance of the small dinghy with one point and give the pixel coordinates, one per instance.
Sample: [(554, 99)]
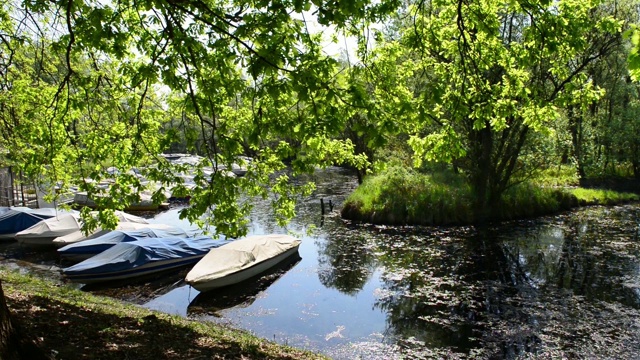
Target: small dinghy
[(88, 248), (240, 260), (242, 294), (142, 257), (15, 219)]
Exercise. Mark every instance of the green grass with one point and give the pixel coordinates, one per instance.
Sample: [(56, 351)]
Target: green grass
[(602, 197), (563, 175), (402, 196), (76, 325), (529, 200), (399, 196)]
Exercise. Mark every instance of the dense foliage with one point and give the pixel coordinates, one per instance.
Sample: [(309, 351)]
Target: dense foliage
[(499, 90), (493, 81), (90, 88)]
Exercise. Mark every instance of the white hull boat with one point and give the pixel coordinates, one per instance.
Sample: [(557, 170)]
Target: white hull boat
[(15, 219), (241, 260), (45, 231), (68, 224)]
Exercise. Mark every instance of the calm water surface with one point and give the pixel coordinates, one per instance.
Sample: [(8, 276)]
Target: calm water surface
[(565, 286)]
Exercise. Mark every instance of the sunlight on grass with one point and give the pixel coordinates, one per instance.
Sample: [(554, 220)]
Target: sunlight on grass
[(603, 197), (403, 196)]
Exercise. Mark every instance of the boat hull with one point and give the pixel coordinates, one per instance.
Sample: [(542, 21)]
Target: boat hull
[(244, 274), (36, 241), (141, 257), (145, 270)]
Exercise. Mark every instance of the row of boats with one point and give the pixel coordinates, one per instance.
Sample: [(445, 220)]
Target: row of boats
[(146, 203), (137, 248)]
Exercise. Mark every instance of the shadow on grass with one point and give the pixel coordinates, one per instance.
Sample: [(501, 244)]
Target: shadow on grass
[(75, 332), (619, 184)]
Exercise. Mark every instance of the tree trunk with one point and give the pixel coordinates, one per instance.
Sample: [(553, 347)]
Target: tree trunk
[(575, 127), (14, 343), (481, 175)]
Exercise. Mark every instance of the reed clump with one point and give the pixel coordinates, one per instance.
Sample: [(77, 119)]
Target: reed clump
[(403, 196)]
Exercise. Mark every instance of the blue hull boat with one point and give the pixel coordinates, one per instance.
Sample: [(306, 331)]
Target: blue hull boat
[(142, 257)]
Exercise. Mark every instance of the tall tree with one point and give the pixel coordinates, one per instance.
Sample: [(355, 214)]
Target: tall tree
[(249, 75), (492, 73)]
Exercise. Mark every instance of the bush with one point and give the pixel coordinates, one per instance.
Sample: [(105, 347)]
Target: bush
[(400, 196)]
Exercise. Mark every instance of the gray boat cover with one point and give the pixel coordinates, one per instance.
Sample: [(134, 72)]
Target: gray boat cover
[(125, 222), (16, 219), (102, 243), (239, 255), (59, 225), (131, 255)]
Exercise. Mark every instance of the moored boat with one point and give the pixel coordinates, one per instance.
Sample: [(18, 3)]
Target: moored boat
[(88, 248), (125, 222), (240, 260), (142, 257), (43, 232), (16, 219), (145, 204), (241, 294)]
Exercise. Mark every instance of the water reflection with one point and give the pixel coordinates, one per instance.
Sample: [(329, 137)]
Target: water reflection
[(530, 287), (242, 294), (345, 262)]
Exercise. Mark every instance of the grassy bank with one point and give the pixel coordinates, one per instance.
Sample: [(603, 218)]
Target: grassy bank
[(76, 325), (401, 196)]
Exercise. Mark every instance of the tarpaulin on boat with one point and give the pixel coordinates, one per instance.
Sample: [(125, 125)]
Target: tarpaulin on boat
[(130, 255), (13, 220), (50, 228), (239, 255), (125, 222), (97, 245)]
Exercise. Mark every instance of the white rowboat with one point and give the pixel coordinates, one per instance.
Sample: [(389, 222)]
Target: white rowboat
[(240, 260)]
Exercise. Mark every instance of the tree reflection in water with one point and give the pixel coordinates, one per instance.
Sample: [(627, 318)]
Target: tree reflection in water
[(346, 261), (566, 286)]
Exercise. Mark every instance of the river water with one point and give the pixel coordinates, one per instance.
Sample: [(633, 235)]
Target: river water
[(566, 286)]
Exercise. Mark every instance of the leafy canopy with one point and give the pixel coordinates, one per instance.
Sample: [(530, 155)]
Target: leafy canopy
[(92, 86)]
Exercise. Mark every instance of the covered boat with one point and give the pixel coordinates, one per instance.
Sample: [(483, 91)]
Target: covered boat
[(69, 224), (16, 219), (89, 248), (45, 231), (125, 222), (145, 204), (141, 257), (240, 260), (241, 294)]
